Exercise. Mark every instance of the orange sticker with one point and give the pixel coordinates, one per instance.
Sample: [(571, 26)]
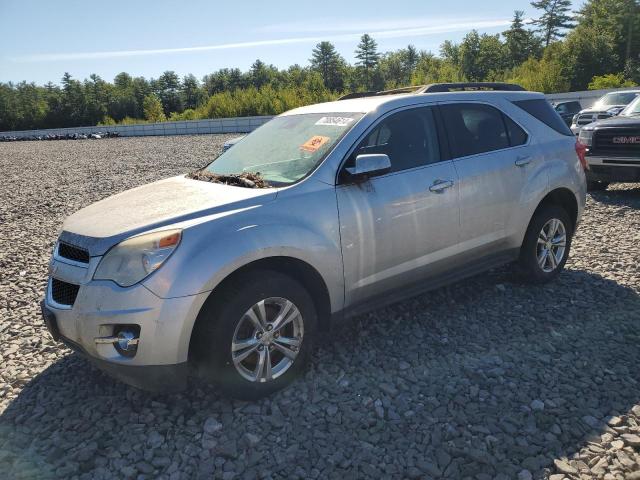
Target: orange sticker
[(314, 143)]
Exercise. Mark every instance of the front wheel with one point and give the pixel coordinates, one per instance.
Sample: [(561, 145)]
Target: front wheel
[(546, 245), (255, 335)]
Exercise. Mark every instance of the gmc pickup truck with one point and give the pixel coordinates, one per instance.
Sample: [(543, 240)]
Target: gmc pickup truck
[(613, 148)]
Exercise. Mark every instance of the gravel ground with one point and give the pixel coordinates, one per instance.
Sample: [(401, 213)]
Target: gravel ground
[(486, 379)]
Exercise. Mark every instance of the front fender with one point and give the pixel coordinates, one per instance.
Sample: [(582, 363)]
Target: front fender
[(205, 258)]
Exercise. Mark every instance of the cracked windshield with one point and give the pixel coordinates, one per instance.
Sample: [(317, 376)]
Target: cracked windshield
[(287, 148)]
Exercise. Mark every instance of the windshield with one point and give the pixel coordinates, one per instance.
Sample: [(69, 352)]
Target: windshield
[(285, 149), (632, 109), (616, 98)]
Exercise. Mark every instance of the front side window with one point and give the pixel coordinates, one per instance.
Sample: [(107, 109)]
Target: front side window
[(474, 128), (409, 138), (285, 149)]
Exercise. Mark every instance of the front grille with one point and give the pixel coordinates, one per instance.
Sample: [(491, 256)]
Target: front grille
[(608, 141), (64, 293), (76, 254), (587, 118)]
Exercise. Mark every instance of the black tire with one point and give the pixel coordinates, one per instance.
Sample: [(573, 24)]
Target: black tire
[(529, 269), (221, 315), (596, 186)]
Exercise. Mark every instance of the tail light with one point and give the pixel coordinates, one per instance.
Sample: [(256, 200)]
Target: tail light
[(581, 150)]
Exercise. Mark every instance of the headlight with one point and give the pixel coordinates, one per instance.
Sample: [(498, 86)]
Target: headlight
[(575, 118), (586, 137), (132, 260)]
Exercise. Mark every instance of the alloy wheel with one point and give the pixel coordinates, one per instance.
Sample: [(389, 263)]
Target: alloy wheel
[(267, 339), (551, 246)]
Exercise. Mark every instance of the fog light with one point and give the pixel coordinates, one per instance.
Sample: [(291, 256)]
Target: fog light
[(126, 340)]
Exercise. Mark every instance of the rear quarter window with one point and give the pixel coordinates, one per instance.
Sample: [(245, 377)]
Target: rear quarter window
[(543, 111)]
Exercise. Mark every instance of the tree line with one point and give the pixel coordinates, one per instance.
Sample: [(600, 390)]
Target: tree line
[(596, 47)]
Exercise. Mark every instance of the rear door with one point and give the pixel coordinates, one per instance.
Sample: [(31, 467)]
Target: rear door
[(491, 157), (394, 226)]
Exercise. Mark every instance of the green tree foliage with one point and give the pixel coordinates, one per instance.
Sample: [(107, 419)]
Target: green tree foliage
[(545, 75), (167, 88), (586, 52), (153, 111), (520, 43), (555, 19), (368, 56), (326, 61), (611, 80), (619, 20)]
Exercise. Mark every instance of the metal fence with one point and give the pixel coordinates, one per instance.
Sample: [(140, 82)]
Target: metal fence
[(235, 125)]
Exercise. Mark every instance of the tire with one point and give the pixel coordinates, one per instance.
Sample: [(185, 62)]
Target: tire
[(231, 317), (596, 186), (531, 253)]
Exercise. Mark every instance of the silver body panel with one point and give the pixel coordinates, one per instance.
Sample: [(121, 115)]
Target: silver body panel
[(363, 239)]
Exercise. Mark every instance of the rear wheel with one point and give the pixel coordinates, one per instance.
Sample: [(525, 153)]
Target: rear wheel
[(255, 335), (546, 245), (596, 186)]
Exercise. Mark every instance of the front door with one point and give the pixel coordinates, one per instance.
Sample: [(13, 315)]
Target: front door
[(395, 225)]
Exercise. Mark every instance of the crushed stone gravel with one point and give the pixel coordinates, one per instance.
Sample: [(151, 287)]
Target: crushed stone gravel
[(484, 379)]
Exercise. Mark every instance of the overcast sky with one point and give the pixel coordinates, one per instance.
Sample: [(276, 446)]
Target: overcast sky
[(40, 40)]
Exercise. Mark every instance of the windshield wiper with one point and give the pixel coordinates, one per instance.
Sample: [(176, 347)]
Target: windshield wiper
[(245, 179)]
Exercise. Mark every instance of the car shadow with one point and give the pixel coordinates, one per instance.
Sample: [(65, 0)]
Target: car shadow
[(624, 194), (481, 379)]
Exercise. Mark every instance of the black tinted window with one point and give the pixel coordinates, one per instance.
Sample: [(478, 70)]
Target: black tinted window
[(543, 111), (409, 138), (474, 128), (517, 136)]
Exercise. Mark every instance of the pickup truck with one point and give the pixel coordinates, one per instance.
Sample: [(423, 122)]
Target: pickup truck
[(613, 148)]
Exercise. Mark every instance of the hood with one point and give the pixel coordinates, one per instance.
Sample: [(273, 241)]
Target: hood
[(618, 121), (601, 110), (105, 223)]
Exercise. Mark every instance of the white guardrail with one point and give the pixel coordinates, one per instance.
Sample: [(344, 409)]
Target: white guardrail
[(235, 125), (187, 127)]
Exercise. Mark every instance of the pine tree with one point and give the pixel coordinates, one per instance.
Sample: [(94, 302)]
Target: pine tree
[(555, 18), (326, 60), (520, 42), (368, 56)]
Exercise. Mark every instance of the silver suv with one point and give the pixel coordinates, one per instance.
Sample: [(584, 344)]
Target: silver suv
[(324, 212)]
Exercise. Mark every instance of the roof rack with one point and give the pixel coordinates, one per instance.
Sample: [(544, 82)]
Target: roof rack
[(440, 87), (471, 86)]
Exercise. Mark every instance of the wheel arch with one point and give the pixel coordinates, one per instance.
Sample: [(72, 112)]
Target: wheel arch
[(561, 197), (297, 269)]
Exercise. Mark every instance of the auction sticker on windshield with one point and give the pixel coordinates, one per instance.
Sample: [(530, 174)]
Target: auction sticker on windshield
[(314, 143), (335, 121)]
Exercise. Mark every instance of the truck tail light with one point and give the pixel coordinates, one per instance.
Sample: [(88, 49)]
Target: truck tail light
[(581, 150)]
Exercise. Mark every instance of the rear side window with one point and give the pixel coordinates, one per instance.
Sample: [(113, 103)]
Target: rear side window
[(517, 136), (543, 111), (474, 128)]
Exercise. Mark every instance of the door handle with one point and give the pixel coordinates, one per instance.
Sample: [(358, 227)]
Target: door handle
[(440, 185), (522, 161)]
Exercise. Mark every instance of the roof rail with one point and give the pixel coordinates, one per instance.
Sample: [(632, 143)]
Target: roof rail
[(439, 88), (349, 96), (410, 89), (449, 87)]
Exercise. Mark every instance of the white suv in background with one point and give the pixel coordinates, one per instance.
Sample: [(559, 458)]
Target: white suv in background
[(322, 213)]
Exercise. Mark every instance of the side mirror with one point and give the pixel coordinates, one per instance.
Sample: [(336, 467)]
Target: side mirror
[(369, 165)]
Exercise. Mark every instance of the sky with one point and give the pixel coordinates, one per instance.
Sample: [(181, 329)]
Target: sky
[(42, 39)]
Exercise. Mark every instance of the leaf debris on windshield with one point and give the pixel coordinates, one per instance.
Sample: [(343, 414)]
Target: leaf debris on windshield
[(247, 179)]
